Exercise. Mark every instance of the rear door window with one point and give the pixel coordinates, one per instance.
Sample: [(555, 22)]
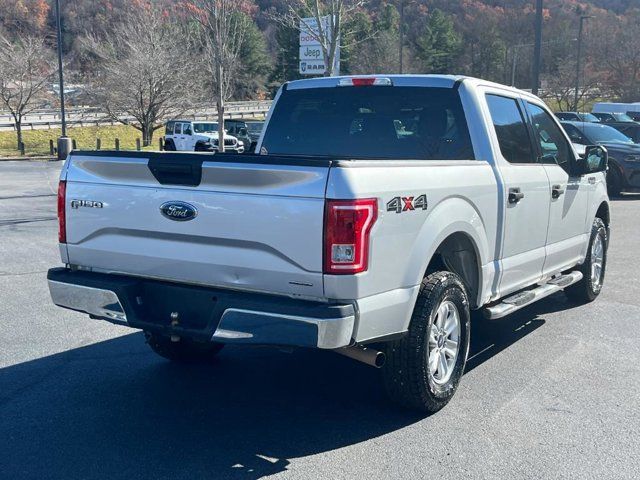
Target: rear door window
[(511, 129), (178, 129), (373, 122)]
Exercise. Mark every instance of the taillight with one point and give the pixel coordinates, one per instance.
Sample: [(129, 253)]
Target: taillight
[(62, 218), (347, 224)]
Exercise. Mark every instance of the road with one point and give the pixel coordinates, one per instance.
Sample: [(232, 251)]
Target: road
[(552, 392)]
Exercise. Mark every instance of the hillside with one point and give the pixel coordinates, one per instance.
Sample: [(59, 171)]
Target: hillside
[(480, 38)]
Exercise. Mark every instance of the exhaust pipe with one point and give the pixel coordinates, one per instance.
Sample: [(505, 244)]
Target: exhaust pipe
[(363, 354)]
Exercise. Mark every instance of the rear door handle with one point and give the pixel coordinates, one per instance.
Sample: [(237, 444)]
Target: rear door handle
[(556, 191), (515, 195)]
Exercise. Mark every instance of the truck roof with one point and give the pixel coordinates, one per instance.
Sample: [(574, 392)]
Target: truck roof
[(418, 80), (405, 80)]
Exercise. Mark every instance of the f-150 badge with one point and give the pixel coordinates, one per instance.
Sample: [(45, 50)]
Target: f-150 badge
[(407, 204)]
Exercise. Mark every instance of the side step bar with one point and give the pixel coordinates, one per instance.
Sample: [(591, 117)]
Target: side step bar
[(520, 300)]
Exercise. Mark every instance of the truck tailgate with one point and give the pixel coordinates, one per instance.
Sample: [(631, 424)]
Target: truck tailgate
[(258, 223)]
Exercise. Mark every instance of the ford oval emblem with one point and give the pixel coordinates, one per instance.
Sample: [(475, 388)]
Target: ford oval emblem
[(178, 211)]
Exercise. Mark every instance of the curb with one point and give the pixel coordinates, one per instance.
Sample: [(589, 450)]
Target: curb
[(29, 159)]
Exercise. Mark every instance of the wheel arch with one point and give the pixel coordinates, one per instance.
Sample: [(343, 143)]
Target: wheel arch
[(458, 253), (604, 213), (454, 238)]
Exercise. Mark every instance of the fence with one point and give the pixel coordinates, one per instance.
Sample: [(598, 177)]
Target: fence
[(82, 117), (98, 145)]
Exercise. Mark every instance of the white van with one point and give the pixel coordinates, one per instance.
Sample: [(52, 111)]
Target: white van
[(631, 109)]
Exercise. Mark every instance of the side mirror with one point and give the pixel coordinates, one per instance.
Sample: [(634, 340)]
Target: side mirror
[(243, 132), (595, 159)]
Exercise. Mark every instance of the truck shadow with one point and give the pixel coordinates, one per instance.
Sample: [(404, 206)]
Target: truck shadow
[(115, 410), (490, 337)]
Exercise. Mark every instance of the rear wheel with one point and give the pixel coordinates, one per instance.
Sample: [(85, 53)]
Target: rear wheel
[(169, 146), (424, 368), (594, 266), (184, 350)]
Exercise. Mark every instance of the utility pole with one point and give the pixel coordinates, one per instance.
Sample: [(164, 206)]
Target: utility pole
[(537, 49), (401, 36), (514, 62), (575, 96), (64, 143)]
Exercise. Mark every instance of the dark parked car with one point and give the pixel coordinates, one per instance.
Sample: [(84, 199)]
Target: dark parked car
[(624, 154), (614, 117), (255, 130), (238, 128), (631, 130), (577, 117), (635, 116)]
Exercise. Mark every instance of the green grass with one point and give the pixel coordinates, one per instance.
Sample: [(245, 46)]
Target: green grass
[(36, 142)]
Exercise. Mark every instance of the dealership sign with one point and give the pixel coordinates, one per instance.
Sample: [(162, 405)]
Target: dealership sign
[(311, 56)]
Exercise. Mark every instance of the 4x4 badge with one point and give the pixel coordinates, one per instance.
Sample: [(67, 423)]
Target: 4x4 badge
[(407, 204)]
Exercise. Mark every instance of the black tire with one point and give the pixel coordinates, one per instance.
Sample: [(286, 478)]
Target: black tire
[(586, 290), (169, 146), (183, 351), (406, 373), (614, 181)]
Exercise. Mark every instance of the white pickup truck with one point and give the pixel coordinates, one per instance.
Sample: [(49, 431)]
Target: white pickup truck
[(378, 212)]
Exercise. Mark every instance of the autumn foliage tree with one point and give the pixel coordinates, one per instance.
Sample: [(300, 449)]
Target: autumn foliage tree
[(26, 17)]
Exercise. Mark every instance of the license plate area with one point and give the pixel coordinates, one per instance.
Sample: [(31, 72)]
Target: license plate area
[(175, 307)]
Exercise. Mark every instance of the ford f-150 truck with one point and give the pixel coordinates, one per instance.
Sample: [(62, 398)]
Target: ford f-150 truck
[(377, 213)]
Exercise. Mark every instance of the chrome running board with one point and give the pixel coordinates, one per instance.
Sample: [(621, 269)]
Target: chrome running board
[(520, 300)]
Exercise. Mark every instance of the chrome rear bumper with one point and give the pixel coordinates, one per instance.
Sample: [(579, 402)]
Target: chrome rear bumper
[(231, 317), (94, 301)]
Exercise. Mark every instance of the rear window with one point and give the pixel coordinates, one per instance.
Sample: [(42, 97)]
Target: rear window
[(205, 127), (370, 122)]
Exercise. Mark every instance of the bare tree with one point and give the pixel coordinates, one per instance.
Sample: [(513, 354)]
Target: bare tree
[(225, 24), (560, 86), (380, 54), (146, 73), (329, 35), (616, 50), (26, 67)]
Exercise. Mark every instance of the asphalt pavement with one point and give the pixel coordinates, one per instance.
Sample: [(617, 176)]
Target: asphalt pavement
[(552, 392)]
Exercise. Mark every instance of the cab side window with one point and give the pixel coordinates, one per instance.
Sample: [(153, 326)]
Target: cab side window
[(511, 129), (186, 129), (553, 144)]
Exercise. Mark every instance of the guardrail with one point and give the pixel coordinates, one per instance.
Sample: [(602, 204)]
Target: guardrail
[(45, 119)]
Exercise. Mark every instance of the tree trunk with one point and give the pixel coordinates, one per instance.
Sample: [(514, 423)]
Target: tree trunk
[(18, 125), (220, 105), (147, 135)]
